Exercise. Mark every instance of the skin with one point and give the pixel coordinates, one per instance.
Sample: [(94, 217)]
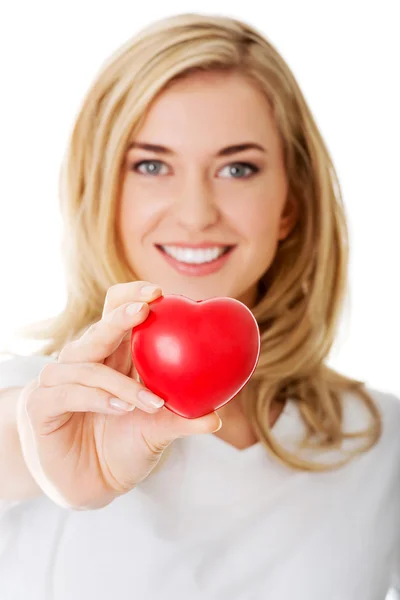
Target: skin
[(194, 196)]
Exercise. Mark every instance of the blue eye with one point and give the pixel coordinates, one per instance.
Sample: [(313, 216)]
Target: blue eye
[(239, 166), (153, 171), (146, 162)]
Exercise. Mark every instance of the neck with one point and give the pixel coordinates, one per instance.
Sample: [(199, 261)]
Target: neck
[(236, 428)]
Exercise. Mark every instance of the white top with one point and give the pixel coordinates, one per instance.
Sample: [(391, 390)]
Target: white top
[(217, 523)]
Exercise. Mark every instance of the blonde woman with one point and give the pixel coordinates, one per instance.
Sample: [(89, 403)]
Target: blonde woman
[(196, 167)]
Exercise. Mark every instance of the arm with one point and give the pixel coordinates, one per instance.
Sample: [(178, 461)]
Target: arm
[(16, 483)]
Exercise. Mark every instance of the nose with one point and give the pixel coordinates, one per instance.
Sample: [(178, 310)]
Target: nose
[(195, 207)]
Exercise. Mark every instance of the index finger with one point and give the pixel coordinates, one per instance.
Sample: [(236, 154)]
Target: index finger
[(133, 291), (105, 336)]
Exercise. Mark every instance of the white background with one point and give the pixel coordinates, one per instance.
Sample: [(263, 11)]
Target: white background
[(345, 56)]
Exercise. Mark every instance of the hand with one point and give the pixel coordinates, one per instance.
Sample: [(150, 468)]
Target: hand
[(81, 449)]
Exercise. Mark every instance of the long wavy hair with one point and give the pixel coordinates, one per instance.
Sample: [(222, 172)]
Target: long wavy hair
[(302, 294)]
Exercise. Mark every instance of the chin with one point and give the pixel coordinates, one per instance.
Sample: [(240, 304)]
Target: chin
[(224, 282), (197, 291)]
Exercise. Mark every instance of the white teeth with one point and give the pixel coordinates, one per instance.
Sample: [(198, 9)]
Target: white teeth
[(195, 256)]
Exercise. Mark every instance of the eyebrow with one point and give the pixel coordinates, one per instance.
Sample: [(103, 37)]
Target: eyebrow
[(223, 152)]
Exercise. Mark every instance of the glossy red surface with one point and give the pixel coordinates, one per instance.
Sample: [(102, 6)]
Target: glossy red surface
[(196, 355)]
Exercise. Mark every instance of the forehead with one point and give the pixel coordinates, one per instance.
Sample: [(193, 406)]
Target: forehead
[(206, 106)]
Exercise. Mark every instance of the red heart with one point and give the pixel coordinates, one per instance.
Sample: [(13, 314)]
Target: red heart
[(196, 355)]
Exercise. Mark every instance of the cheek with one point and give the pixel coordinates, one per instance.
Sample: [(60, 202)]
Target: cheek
[(136, 218), (257, 219), (257, 212)]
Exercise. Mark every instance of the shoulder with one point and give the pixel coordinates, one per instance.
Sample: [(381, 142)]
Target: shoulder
[(388, 403), (357, 416), (17, 370), (355, 408)]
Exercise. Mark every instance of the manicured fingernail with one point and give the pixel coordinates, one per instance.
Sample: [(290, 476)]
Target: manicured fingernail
[(148, 290), (219, 426), (134, 308), (118, 404), (150, 399)]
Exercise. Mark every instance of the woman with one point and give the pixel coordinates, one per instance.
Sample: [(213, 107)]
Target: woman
[(194, 142)]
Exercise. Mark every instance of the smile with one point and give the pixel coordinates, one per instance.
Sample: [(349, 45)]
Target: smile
[(195, 261)]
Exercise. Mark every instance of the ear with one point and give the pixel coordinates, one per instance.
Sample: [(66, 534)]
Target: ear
[(289, 218)]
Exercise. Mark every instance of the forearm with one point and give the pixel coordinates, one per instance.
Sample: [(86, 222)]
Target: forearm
[(16, 483)]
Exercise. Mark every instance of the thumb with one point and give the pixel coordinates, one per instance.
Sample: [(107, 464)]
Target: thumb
[(173, 426), (207, 424)]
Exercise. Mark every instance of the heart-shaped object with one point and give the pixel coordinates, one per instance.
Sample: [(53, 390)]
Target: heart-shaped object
[(196, 355)]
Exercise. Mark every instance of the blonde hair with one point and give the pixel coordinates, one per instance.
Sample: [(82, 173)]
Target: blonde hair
[(302, 293)]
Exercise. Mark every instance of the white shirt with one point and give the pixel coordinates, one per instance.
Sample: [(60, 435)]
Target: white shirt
[(217, 523)]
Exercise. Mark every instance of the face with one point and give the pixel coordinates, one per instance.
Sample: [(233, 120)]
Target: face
[(193, 218)]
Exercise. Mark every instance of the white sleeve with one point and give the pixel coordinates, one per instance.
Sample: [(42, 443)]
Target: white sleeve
[(396, 565), (19, 370)]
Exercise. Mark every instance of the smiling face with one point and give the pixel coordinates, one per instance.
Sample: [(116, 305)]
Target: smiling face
[(194, 195)]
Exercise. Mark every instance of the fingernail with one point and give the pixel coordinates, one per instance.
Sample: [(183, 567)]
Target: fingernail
[(150, 399), (219, 426), (148, 290), (134, 308), (118, 404)]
